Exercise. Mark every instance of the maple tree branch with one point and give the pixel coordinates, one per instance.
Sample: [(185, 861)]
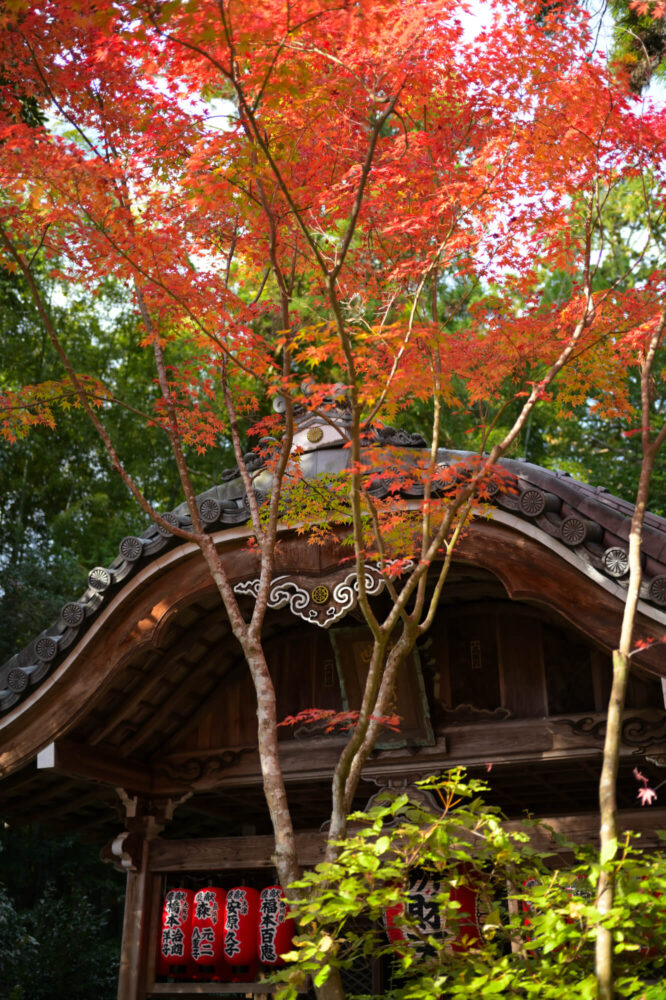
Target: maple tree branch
[(231, 75), (433, 604), (138, 495), (340, 780), (379, 540), (432, 266), (267, 76), (434, 447), (330, 57), (360, 188), (52, 97), (172, 428), (355, 483), (230, 256), (39, 246), (261, 286), (238, 452), (100, 397)]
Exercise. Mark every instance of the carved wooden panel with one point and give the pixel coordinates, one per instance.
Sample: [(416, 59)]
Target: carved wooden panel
[(522, 681), (302, 665), (473, 659), (353, 647), (497, 659), (569, 677)]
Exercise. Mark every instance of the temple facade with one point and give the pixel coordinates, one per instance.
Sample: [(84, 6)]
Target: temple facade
[(132, 718)]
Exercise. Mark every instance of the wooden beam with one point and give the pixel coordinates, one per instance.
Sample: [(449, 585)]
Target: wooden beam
[(93, 764), (137, 954), (504, 742), (584, 828), (235, 853), (229, 853), (214, 989), (129, 702), (161, 715)]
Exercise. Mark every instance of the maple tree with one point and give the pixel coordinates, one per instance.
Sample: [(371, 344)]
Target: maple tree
[(372, 193)]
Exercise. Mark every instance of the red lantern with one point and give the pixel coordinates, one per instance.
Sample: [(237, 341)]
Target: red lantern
[(276, 929), (207, 940), (395, 933), (174, 950), (423, 909), (469, 923), (241, 916)]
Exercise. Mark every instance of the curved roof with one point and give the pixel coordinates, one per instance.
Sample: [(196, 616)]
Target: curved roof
[(584, 525)]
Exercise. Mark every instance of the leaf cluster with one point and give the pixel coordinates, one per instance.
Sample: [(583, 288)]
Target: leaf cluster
[(535, 909)]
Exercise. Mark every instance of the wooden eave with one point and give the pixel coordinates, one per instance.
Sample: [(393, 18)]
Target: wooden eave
[(585, 525), (110, 706), (142, 639)]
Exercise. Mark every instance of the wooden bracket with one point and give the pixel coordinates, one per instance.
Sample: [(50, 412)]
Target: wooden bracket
[(147, 815), (124, 852), (80, 761)]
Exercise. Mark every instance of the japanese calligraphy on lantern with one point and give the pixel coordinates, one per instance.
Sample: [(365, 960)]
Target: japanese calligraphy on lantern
[(176, 924), (208, 926), (276, 929), (241, 915)]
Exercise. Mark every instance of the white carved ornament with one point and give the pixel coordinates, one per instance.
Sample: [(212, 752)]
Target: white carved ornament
[(285, 592)]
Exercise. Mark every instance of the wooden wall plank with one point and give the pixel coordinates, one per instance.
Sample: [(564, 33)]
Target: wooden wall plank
[(522, 679)]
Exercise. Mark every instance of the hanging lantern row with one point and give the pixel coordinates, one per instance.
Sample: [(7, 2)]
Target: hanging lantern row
[(223, 935)]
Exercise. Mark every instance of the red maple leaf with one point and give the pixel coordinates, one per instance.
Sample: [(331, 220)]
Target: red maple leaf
[(646, 796)]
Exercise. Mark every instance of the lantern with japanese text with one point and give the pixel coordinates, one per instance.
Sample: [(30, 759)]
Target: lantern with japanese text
[(174, 949), (423, 910), (241, 916), (471, 912), (207, 939), (276, 929)]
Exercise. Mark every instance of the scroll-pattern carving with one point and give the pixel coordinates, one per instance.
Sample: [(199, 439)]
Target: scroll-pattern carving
[(286, 592), (195, 769), (636, 731)]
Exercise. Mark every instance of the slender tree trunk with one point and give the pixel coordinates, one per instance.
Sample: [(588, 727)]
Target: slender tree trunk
[(608, 829), (608, 832)]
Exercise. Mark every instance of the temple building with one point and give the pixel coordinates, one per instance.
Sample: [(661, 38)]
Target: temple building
[(132, 717)]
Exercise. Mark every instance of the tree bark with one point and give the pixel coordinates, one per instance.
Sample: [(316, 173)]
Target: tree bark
[(608, 828)]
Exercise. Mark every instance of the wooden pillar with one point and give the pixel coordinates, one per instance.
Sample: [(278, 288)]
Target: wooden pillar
[(135, 949), (130, 852)]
